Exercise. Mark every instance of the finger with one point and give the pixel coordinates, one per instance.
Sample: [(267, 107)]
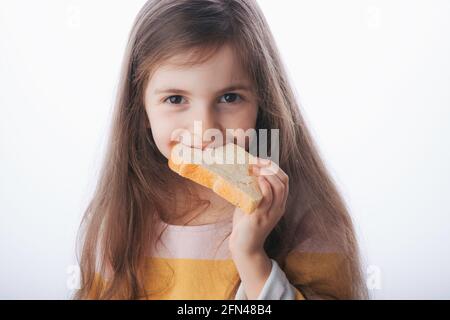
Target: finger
[(268, 167), (259, 162), (265, 171), (279, 190), (284, 179), (263, 161), (267, 194), (279, 172)]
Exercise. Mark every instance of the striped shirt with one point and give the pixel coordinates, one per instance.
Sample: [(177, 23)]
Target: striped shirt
[(194, 262)]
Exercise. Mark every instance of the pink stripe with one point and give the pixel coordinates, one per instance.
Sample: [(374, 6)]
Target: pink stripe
[(209, 241)]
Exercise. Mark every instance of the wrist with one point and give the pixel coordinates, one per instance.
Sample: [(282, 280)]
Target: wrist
[(254, 269), (244, 251), (248, 254), (250, 257)]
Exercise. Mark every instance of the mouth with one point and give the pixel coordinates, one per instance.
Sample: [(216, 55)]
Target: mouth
[(197, 143)]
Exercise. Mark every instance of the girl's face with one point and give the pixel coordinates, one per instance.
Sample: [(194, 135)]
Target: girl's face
[(217, 92)]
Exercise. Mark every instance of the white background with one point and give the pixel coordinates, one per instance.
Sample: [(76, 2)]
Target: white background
[(373, 78)]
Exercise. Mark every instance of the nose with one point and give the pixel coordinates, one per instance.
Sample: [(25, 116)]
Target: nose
[(206, 121)]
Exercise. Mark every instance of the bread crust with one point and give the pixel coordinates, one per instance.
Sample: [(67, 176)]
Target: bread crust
[(219, 185)]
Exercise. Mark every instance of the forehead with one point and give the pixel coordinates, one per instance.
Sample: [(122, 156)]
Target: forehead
[(219, 69)]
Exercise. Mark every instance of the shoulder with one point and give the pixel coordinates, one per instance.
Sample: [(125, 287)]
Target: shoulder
[(317, 265)]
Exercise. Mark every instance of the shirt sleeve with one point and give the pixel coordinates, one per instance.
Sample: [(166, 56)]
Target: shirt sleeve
[(277, 287)]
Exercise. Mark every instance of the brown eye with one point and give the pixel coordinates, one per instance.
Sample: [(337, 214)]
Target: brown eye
[(174, 99), (230, 98)]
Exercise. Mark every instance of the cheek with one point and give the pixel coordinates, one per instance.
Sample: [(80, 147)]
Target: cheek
[(244, 120), (162, 129)]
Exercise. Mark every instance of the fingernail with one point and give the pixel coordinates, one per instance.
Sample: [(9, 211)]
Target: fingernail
[(266, 172), (264, 161)]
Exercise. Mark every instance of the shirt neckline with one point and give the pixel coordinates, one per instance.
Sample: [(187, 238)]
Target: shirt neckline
[(197, 228)]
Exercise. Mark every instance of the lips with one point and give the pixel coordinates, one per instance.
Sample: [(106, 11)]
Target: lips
[(194, 141)]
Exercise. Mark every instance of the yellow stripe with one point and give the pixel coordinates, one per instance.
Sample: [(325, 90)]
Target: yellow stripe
[(326, 274), (190, 278)]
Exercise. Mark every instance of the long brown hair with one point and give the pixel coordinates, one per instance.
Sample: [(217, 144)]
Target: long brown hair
[(133, 191)]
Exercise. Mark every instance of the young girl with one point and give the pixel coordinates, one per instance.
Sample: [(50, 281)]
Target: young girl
[(149, 233)]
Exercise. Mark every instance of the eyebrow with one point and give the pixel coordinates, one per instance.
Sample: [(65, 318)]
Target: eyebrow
[(234, 87)]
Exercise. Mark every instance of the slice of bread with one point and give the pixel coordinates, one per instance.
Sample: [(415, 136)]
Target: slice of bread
[(225, 170)]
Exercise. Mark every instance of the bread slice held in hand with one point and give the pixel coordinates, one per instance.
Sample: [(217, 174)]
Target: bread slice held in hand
[(224, 169)]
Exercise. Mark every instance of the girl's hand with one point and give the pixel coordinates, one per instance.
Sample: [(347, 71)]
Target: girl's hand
[(251, 230)]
